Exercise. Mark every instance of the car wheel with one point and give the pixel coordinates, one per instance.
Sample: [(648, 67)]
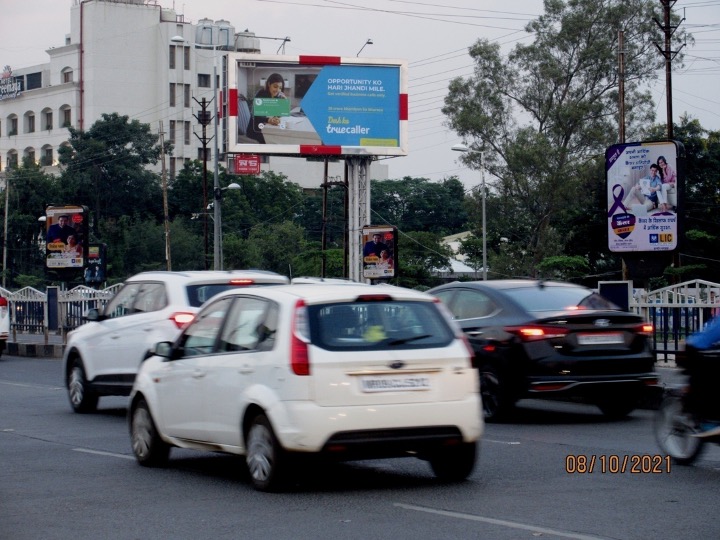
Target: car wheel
[(454, 463), (149, 449), (82, 398), (495, 401), (265, 458), (618, 408), (674, 429)]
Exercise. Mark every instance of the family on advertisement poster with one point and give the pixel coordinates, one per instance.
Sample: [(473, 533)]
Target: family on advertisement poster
[(65, 237), (379, 252), (642, 196)]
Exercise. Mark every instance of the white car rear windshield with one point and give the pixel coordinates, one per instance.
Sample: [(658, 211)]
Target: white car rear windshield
[(378, 325)]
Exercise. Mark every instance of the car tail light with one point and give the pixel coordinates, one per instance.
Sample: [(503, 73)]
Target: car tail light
[(299, 357), (182, 318), (374, 298), (242, 282), (646, 329), (536, 333)]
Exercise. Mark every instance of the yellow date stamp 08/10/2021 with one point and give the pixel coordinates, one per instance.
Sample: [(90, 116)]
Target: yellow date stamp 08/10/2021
[(617, 464)]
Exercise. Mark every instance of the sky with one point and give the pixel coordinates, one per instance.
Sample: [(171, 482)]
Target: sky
[(431, 36)]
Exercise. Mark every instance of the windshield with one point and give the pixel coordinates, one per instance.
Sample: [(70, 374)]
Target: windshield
[(558, 298), (375, 325)]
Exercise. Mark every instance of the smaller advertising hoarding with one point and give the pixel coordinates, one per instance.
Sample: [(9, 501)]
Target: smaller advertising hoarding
[(642, 196), (379, 252), (65, 237), (317, 105)]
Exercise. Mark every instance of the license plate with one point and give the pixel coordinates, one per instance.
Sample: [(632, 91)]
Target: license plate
[(601, 339), (399, 383)]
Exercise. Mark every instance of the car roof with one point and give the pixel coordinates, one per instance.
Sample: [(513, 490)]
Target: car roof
[(510, 284), (330, 293), (209, 275)]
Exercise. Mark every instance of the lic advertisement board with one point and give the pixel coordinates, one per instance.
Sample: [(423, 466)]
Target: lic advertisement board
[(642, 196), (65, 236), (321, 105)]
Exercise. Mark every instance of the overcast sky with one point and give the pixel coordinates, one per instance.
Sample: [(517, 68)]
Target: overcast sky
[(432, 36)]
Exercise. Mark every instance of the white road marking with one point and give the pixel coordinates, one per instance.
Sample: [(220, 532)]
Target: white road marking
[(500, 442), (99, 453), (501, 522)]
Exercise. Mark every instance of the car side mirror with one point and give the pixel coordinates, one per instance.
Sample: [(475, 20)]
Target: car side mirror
[(163, 349), (92, 315)]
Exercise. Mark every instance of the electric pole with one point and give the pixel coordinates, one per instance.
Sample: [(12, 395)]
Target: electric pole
[(668, 54), (203, 117)]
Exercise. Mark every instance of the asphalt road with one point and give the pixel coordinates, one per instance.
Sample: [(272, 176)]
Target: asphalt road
[(69, 476)]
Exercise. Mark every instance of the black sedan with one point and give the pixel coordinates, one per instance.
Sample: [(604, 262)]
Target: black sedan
[(542, 339)]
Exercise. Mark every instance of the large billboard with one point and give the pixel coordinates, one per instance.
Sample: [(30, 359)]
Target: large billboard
[(642, 196), (66, 237), (316, 105)]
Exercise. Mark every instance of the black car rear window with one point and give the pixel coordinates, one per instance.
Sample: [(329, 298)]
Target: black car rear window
[(378, 325), (199, 294), (558, 298)]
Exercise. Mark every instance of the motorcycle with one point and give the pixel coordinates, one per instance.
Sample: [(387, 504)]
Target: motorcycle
[(677, 424)]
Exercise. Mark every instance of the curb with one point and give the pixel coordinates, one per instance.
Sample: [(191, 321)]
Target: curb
[(35, 350)]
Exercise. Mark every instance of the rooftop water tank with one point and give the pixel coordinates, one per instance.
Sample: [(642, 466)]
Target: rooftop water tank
[(206, 32), (168, 15), (226, 35), (247, 42)]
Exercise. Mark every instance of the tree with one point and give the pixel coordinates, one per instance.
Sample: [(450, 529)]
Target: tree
[(416, 204), (419, 255), (30, 191), (105, 169), (541, 116)]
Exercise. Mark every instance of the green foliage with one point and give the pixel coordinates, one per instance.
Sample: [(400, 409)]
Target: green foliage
[(416, 204), (564, 87), (420, 255), (563, 268)]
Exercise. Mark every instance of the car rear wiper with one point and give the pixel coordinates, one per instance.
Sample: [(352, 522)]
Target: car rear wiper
[(401, 341)]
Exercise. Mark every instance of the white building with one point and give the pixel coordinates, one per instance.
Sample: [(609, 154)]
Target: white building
[(125, 56)]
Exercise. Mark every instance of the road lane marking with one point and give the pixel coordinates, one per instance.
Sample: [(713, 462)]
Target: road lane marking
[(501, 522), (31, 385), (99, 453), (500, 442)]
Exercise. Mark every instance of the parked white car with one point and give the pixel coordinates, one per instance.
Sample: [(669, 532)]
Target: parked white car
[(341, 371), (102, 356)]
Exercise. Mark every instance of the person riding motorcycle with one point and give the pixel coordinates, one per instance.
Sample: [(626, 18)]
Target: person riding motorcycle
[(703, 371)]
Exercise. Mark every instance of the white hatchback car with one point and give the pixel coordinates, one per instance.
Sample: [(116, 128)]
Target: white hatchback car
[(342, 371), (103, 356)]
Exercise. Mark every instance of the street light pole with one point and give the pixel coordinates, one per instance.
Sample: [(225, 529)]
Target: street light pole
[(217, 225), (463, 148)]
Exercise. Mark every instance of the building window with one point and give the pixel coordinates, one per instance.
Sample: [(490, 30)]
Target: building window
[(171, 135), (12, 126), (67, 76), (48, 120), (30, 154), (30, 123), (186, 58), (187, 132), (187, 95), (66, 118), (12, 161), (172, 94), (203, 80), (34, 80), (47, 158), (171, 57), (172, 167)]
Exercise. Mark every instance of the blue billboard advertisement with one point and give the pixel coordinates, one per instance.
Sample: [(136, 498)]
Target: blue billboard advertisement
[(317, 105), (642, 196)]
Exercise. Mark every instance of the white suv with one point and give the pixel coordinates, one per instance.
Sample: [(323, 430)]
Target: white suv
[(103, 356), (343, 371)]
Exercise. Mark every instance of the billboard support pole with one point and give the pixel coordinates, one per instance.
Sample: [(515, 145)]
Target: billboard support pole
[(358, 211)]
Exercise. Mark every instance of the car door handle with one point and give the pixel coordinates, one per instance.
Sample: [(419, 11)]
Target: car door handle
[(246, 369), (475, 333), (198, 374)]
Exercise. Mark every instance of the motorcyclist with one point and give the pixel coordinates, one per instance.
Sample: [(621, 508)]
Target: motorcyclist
[(703, 371)]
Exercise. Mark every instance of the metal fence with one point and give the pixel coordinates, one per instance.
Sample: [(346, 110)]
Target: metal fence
[(676, 311), (36, 312)]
